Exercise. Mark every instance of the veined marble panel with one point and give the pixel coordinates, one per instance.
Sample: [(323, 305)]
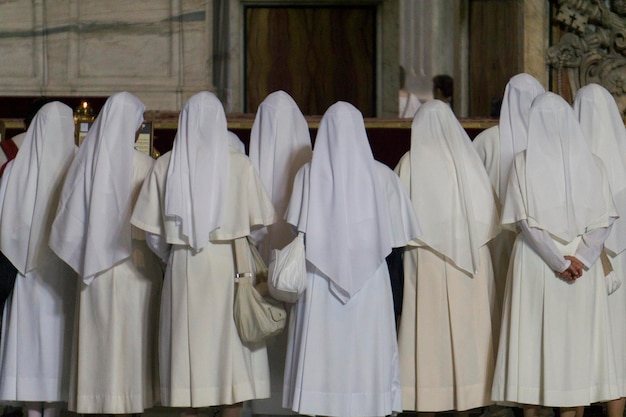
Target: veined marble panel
[(138, 40), (21, 34), (157, 49)]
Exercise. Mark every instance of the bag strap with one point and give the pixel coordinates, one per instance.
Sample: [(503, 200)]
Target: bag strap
[(242, 258)]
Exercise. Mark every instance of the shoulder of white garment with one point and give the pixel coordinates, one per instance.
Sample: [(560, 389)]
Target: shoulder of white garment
[(297, 209), (147, 214), (403, 170), (404, 225), (486, 140), (142, 163), (247, 203)]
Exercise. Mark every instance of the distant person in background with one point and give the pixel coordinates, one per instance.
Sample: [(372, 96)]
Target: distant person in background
[(443, 88), (407, 101)]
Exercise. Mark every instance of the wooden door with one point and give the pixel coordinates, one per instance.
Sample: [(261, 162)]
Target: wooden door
[(495, 53), (319, 55)]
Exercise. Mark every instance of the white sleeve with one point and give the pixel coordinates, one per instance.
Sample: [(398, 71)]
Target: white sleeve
[(542, 243), (592, 243), (159, 246)]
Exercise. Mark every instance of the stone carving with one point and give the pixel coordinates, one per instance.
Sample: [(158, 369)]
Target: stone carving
[(593, 49)]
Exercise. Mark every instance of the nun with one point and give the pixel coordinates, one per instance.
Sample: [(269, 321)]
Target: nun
[(555, 345), (199, 198), (446, 335), (280, 144), (113, 355), (497, 147), (342, 356), (604, 131), (38, 319)]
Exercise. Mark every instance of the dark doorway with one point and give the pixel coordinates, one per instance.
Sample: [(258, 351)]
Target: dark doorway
[(319, 55)]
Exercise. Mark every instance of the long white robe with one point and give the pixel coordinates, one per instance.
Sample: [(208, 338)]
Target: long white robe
[(114, 355), (280, 143), (555, 346), (445, 336), (202, 361), (38, 317), (342, 359), (617, 313), (487, 145), (604, 131), (37, 326)]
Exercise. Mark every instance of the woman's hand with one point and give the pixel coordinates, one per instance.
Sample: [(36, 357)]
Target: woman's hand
[(573, 271)]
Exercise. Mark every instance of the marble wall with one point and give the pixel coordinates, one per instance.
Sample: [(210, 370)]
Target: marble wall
[(157, 49), (166, 50)]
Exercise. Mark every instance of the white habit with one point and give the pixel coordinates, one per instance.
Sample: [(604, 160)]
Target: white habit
[(39, 315), (113, 357), (555, 347), (446, 334), (496, 148), (280, 144), (604, 131), (342, 357), (202, 361)]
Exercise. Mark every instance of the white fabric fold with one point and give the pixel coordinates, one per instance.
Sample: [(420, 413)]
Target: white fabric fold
[(604, 131), (564, 184), (91, 231), (34, 185), (519, 94), (450, 190), (280, 144), (347, 233), (197, 176)]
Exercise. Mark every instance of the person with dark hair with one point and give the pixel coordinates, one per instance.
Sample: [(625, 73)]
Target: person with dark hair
[(443, 88)]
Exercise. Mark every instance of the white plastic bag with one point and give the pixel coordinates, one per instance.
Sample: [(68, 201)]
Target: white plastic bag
[(287, 271)]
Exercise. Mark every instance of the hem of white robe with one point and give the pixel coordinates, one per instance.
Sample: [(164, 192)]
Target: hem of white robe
[(110, 404), (445, 399), (555, 398), (363, 404), (207, 397), (35, 389)]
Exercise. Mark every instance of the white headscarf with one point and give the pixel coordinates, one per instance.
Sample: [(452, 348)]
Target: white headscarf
[(34, 185), (280, 144), (563, 182), (92, 231), (604, 131), (197, 176), (450, 189), (347, 237), (519, 94)]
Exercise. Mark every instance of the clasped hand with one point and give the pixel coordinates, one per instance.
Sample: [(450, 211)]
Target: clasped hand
[(574, 271)]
